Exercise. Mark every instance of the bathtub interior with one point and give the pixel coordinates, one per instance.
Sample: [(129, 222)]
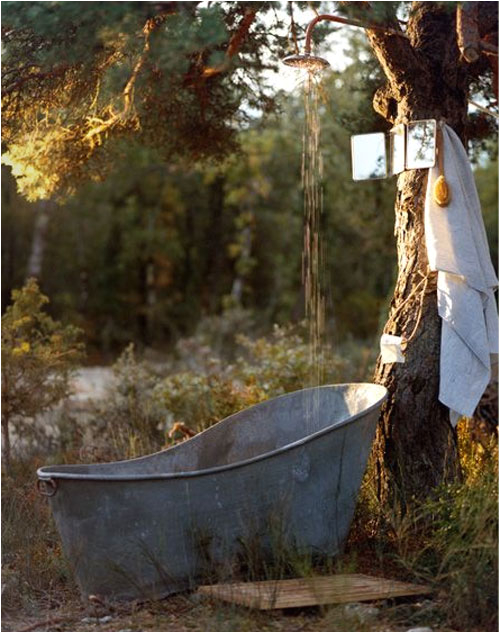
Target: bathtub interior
[(257, 430)]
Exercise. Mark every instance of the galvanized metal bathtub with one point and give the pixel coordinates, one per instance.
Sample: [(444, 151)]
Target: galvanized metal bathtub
[(288, 469)]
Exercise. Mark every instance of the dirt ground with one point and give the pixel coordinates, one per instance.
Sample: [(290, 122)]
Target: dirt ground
[(196, 613)]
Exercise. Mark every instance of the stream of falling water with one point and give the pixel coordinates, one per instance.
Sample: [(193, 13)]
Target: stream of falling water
[(313, 253)]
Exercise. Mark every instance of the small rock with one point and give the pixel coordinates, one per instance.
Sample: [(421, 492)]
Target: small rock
[(105, 619), (196, 598), (361, 611), (426, 604), (424, 629)]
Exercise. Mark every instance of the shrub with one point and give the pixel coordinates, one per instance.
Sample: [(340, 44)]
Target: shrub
[(38, 354), (202, 400), (142, 407), (451, 539), (128, 422), (267, 367), (282, 363)]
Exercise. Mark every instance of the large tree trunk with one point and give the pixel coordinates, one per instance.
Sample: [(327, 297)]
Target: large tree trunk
[(415, 446)]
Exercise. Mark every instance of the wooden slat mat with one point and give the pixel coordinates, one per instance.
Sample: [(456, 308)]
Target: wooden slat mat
[(302, 592)]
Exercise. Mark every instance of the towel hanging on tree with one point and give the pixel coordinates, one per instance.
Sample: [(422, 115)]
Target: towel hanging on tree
[(457, 249)]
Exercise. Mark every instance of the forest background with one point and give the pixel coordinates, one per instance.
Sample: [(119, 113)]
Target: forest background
[(159, 248)]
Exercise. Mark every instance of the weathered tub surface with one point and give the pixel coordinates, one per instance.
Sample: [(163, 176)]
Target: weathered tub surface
[(285, 472)]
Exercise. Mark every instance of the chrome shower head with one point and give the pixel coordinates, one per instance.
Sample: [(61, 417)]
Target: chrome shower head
[(316, 64), (306, 61)]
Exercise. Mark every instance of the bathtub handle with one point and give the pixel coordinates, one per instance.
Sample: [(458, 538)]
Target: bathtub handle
[(47, 487)]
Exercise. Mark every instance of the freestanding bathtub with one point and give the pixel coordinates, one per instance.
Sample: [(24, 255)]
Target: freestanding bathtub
[(289, 468)]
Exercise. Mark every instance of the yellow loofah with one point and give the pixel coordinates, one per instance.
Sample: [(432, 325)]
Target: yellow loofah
[(442, 193)]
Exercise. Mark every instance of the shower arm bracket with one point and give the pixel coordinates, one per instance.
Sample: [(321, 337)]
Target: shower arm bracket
[(349, 22)]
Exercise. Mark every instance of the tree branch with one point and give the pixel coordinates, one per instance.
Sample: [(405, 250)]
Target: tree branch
[(55, 73), (468, 31), (396, 55), (128, 91), (234, 45)]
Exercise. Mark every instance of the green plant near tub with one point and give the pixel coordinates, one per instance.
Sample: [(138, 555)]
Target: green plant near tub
[(38, 355), (199, 401), (266, 367), (129, 421), (282, 362), (144, 402), (451, 539)]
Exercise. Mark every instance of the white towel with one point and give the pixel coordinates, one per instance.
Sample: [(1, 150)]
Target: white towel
[(457, 248)]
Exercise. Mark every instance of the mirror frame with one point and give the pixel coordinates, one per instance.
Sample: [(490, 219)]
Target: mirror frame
[(405, 128), (386, 165), (398, 131), (408, 164)]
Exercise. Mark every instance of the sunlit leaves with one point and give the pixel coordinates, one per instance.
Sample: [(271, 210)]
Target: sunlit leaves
[(98, 71), (37, 354)]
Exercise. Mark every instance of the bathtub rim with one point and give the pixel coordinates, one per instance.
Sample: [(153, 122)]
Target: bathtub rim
[(45, 473)]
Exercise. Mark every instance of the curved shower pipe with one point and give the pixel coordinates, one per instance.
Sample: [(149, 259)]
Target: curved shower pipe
[(348, 21)]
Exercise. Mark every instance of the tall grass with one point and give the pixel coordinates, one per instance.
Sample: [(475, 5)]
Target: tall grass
[(451, 539), (34, 570)]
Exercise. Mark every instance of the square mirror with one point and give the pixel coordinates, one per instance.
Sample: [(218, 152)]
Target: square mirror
[(397, 149), (421, 144), (369, 156)]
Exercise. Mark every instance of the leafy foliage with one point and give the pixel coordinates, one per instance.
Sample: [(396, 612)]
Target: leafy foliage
[(145, 402), (282, 362), (272, 366), (38, 354), (146, 254), (457, 528), (78, 77)]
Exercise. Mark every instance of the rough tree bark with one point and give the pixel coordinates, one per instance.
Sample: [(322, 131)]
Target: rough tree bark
[(426, 78)]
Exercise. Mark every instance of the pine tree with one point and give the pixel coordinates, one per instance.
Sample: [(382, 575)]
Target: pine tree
[(80, 79), (427, 77)]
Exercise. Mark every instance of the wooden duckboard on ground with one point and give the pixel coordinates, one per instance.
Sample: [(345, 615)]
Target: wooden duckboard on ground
[(306, 592)]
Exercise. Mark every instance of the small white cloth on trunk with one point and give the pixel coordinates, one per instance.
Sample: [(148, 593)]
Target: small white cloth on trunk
[(457, 248), (390, 349)]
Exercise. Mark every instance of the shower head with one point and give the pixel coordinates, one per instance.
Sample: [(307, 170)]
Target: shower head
[(309, 62), (316, 64)]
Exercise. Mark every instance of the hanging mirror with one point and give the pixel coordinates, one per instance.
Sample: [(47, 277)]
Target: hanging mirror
[(369, 156), (397, 149), (421, 144)]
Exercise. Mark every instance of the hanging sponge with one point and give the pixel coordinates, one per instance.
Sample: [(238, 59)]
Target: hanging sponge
[(441, 192)]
